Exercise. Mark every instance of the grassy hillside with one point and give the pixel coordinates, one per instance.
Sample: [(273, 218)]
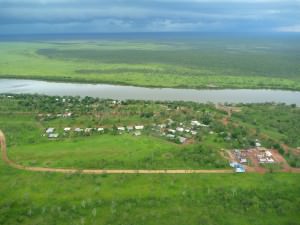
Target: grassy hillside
[(197, 63)]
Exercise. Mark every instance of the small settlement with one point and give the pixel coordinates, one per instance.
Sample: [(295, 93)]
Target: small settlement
[(180, 134), (258, 155)]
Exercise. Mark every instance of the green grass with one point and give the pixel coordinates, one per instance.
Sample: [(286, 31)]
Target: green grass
[(172, 63), (44, 198), (116, 152)]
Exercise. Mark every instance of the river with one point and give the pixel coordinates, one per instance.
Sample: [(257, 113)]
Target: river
[(118, 92)]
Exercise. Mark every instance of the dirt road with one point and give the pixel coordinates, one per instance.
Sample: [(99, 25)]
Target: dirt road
[(88, 171)]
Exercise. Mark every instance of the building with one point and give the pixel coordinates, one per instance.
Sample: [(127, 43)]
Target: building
[(171, 136), (137, 133), (172, 131), (129, 128), (67, 129), (121, 128), (182, 139), (50, 130), (78, 130), (179, 129), (238, 167), (52, 135), (139, 127), (193, 132), (88, 130), (100, 129), (198, 124)]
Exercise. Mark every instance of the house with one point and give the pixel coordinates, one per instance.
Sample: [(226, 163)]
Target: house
[(243, 160), (268, 154), (172, 131), (78, 130), (170, 121), (257, 144), (52, 135), (182, 139), (67, 114), (137, 133), (50, 130), (140, 127), (129, 128), (121, 128), (100, 129), (195, 123), (238, 167), (88, 130), (171, 136), (179, 129), (198, 124), (193, 132), (67, 129), (162, 126)]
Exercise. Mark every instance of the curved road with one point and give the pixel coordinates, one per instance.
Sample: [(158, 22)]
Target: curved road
[(89, 171)]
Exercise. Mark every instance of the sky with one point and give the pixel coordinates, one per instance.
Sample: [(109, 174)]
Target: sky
[(109, 16)]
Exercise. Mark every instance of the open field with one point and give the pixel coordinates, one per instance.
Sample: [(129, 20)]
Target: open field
[(189, 63)]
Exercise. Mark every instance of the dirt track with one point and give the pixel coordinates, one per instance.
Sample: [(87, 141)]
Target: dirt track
[(103, 171), (86, 171)]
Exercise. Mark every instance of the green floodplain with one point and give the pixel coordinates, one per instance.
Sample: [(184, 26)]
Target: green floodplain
[(181, 62), (47, 198)]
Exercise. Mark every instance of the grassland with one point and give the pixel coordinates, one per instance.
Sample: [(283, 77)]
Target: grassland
[(37, 198), (114, 152), (201, 63)]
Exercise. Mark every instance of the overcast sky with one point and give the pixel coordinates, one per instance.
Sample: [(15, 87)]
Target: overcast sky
[(94, 16)]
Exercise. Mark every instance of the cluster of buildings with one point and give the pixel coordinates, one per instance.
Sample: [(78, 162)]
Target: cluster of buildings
[(180, 133), (51, 132), (258, 155), (264, 156), (169, 130), (241, 155)]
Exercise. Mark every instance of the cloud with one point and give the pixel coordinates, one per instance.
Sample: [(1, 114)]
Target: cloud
[(290, 29), (40, 16)]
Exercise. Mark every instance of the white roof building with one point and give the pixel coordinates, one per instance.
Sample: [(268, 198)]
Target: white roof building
[(139, 127), (129, 128), (268, 153), (182, 139), (78, 129), (257, 144), (179, 129), (88, 130), (67, 129), (137, 133), (171, 136), (53, 135), (193, 132), (172, 131), (50, 130)]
